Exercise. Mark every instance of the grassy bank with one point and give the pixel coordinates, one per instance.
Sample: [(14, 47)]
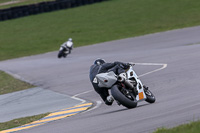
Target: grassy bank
[(9, 84), (193, 127), (105, 21)]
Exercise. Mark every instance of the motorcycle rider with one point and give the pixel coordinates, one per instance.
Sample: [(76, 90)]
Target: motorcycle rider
[(68, 45), (100, 66)]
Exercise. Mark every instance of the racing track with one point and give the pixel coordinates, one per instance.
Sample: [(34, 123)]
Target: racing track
[(176, 86)]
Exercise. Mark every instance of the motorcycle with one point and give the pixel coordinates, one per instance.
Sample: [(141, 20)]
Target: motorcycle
[(63, 51), (127, 91)]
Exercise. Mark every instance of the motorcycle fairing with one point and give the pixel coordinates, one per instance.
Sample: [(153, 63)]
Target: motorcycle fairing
[(131, 74), (106, 80)]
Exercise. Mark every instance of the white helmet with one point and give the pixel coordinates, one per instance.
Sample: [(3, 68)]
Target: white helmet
[(70, 39)]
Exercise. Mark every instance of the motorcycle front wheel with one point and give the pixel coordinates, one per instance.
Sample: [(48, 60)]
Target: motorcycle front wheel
[(150, 97), (124, 98)]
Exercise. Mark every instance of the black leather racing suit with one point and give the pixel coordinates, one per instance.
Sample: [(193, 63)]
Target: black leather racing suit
[(116, 67)]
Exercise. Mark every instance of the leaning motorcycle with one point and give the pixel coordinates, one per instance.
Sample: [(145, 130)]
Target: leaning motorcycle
[(63, 52), (127, 91)]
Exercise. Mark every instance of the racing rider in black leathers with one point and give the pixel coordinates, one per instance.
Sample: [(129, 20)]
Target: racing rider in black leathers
[(100, 66)]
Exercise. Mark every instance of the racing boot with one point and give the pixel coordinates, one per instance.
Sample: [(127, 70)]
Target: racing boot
[(109, 100)]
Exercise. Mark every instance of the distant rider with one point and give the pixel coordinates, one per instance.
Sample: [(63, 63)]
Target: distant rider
[(68, 45), (100, 66)]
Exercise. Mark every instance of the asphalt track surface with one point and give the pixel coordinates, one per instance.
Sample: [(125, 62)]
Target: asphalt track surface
[(176, 86), (31, 102)]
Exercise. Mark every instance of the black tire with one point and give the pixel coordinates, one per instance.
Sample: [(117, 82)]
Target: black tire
[(60, 54), (150, 97), (121, 98)]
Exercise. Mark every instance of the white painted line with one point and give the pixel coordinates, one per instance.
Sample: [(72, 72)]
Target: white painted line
[(97, 105), (82, 93), (82, 101), (151, 64), (76, 98)]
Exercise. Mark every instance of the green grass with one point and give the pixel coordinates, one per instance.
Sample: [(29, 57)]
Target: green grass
[(20, 121), (9, 84), (193, 127), (105, 21)]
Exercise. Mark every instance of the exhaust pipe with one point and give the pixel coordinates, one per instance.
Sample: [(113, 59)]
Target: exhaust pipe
[(123, 80), (128, 84), (120, 79)]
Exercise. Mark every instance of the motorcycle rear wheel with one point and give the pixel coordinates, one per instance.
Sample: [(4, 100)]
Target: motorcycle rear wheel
[(60, 54), (121, 98)]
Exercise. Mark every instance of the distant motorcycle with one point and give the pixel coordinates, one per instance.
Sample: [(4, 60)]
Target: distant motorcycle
[(63, 51), (127, 92)]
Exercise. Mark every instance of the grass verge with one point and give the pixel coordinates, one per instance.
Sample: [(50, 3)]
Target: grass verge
[(193, 127), (9, 84), (20, 121)]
